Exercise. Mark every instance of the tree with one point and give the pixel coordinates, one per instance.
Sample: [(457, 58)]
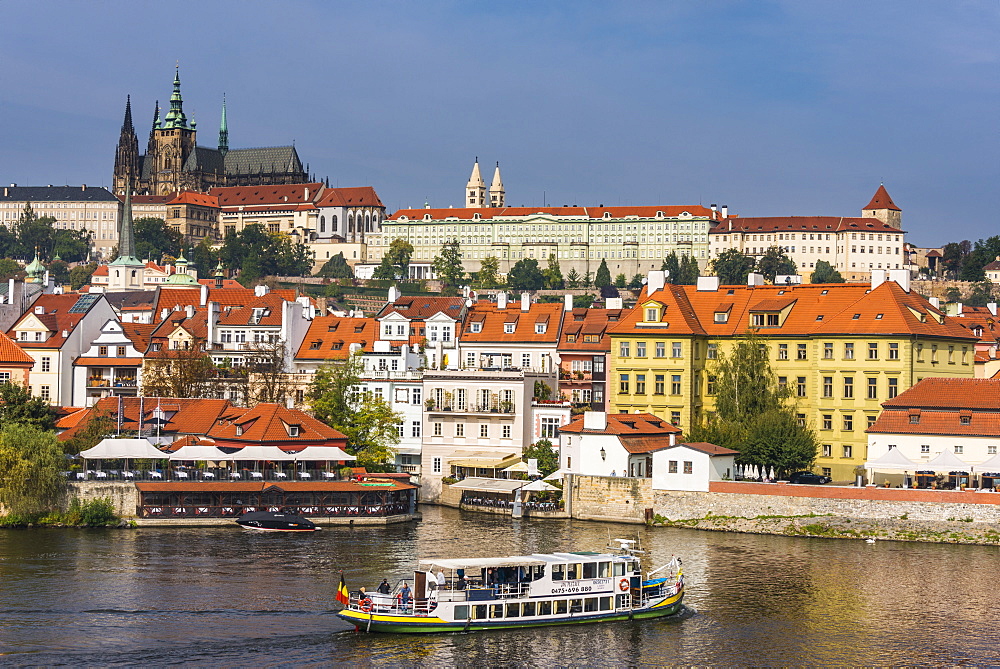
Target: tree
[(548, 458), (266, 376), (448, 265), (689, 271), (981, 294), (573, 279), (488, 275), (31, 460), (368, 421), (732, 267), (953, 257), (603, 276), (9, 269), (58, 270), (620, 281), (400, 251), (97, 428), (525, 275), (154, 238), (336, 268), (205, 258), (542, 391), (183, 372), (386, 271), (19, 406), (80, 275), (825, 273), (745, 383), (636, 282), (256, 253), (775, 262), (953, 294), (776, 439), (553, 274), (672, 268)]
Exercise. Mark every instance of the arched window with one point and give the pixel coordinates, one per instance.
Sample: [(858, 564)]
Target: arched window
[(333, 223), (350, 222), (322, 223)]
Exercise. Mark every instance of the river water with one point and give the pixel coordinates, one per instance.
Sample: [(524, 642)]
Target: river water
[(228, 597)]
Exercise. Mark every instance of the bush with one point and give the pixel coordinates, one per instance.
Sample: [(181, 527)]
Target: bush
[(100, 511)]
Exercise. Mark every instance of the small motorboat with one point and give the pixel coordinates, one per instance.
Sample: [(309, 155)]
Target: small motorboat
[(275, 521)]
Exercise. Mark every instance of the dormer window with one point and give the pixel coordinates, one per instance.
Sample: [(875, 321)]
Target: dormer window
[(721, 316), (652, 314), (965, 420), (476, 327), (540, 328), (239, 430), (508, 328), (293, 430)]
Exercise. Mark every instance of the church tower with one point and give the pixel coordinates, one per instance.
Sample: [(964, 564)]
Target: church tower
[(475, 190), (175, 141), (126, 271), (223, 130), (496, 189), (884, 209), (127, 153)]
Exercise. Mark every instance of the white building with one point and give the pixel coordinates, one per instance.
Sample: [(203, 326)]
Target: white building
[(392, 373), (609, 444), (692, 466), (112, 366)]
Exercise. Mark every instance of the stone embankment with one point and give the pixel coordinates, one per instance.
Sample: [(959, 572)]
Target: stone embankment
[(821, 511)]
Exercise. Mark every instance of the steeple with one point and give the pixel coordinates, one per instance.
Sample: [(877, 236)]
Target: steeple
[(175, 117), (126, 238), (475, 190), (496, 189), (35, 270), (223, 130), (127, 153), (884, 209)]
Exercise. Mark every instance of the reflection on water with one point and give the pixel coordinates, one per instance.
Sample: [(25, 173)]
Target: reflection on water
[(228, 596)]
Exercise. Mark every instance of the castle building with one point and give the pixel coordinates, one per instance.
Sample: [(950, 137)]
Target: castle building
[(174, 162)]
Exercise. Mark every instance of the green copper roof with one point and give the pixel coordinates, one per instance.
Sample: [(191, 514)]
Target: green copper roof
[(126, 236), (175, 117), (35, 270), (223, 128)]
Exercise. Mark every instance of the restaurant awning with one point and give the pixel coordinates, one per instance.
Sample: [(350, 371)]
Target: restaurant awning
[(539, 486), (479, 484), (479, 563), (485, 460), (946, 461), (991, 465), (197, 453), (112, 449), (892, 460), (323, 454), (519, 466), (261, 453)]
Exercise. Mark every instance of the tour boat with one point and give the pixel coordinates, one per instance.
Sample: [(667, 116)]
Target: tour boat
[(521, 591), (275, 521)]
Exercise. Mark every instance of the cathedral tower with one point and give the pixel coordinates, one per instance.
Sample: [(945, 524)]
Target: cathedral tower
[(475, 190), (175, 141), (496, 189), (884, 209), (223, 130), (127, 153)]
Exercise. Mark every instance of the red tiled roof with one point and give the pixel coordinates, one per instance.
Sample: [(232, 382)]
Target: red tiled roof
[(982, 423), (12, 355), (107, 362), (933, 253), (139, 334), (575, 212), (950, 393), (767, 224), (355, 196), (184, 416), (625, 424), (710, 449), (56, 318), (524, 328), (234, 196), (645, 444), (579, 323), (271, 316), (330, 337), (881, 200), (267, 422), (191, 197), (419, 307)]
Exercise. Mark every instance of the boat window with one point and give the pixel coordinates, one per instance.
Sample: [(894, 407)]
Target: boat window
[(539, 572), (513, 610), (573, 571), (479, 611), (561, 607), (605, 604), (604, 570), (496, 611), (622, 601), (590, 604), (545, 608), (590, 570), (633, 566), (576, 606), (557, 572), (462, 612), (619, 569), (529, 609)]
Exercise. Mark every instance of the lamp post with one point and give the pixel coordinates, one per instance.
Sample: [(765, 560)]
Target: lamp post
[(604, 454)]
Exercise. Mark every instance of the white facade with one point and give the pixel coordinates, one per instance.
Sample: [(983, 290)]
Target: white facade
[(392, 373), (923, 447), (682, 467), (117, 373)]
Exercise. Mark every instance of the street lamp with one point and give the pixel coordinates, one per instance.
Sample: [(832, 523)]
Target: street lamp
[(604, 454)]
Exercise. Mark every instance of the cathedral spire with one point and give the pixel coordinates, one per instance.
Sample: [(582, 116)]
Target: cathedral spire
[(127, 153), (496, 189), (475, 190), (175, 117), (126, 238), (223, 130)]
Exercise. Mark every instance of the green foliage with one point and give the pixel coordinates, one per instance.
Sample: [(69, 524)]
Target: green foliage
[(255, 253), (732, 267), (775, 262), (488, 275), (553, 274), (186, 372), (745, 383), (582, 301), (395, 263), (982, 294), (775, 439), (58, 270), (548, 458), (96, 428), (953, 294), (542, 391), (825, 273), (31, 460), (603, 277), (154, 239), (368, 421), (336, 268), (525, 275), (573, 279), (93, 513), (448, 265), (636, 282), (10, 269), (620, 281), (80, 275), (205, 258), (682, 271), (30, 232), (386, 271), (18, 406)]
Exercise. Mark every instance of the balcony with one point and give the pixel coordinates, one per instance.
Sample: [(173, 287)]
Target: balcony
[(408, 469), (102, 382), (472, 409), (392, 375)]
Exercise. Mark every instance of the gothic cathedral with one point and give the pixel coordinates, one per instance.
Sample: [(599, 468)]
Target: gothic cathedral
[(173, 160)]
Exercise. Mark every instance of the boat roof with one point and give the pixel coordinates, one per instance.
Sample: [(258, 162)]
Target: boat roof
[(536, 559)]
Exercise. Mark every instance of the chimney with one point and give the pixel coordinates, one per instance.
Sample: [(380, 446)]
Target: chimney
[(935, 302), (525, 302), (65, 334), (83, 187), (568, 302), (39, 311), (163, 313), (725, 211), (595, 420), (713, 206), (204, 294), (393, 294), (213, 308), (992, 306), (613, 303), (655, 281), (502, 300), (878, 278), (708, 284), (901, 277), (189, 310), (755, 279), (10, 291), (261, 291), (306, 198), (5, 191)]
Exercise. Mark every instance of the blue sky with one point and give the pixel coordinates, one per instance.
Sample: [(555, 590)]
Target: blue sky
[(774, 108)]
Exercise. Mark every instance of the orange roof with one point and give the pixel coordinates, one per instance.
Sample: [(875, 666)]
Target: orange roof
[(330, 337), (494, 320), (950, 393), (56, 317), (182, 415), (625, 424), (72, 419), (269, 422), (588, 324), (139, 334), (710, 449), (12, 355), (769, 224), (419, 307), (107, 362), (191, 197), (981, 423), (881, 200), (226, 283), (235, 196), (271, 304), (843, 308), (358, 196), (575, 212)]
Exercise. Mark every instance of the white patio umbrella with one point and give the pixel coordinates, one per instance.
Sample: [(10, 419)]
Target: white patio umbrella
[(538, 486), (771, 474), (557, 475)]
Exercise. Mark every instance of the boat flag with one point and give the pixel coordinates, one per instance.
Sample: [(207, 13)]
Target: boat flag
[(343, 596)]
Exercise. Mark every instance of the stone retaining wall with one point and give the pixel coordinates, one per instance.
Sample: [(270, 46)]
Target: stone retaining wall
[(123, 494)]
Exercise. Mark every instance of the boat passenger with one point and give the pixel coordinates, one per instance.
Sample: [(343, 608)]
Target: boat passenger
[(384, 587), (404, 595), (441, 581)]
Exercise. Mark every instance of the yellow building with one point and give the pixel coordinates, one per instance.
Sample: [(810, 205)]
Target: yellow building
[(841, 348)]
